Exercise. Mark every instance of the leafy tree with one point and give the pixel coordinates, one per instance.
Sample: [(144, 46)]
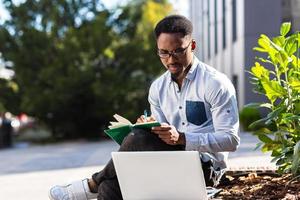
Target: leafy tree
[(137, 63), (281, 86), (78, 63), (9, 96)]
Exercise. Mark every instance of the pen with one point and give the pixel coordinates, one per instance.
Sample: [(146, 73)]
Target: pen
[(145, 114)]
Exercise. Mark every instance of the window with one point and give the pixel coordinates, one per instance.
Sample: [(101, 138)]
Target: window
[(224, 23), (216, 27), (208, 29), (234, 31), (202, 28)]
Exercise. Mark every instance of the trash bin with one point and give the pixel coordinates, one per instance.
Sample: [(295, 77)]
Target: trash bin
[(5, 133)]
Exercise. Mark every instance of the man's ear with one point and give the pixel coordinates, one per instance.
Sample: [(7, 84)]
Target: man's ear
[(193, 45)]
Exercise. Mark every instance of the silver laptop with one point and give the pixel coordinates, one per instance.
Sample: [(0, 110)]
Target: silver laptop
[(160, 175)]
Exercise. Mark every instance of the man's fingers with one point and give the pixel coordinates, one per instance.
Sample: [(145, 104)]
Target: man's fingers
[(150, 119), (141, 119), (164, 137), (169, 142), (161, 132), (161, 128)]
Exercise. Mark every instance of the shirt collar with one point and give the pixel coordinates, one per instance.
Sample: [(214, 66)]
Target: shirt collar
[(191, 73)]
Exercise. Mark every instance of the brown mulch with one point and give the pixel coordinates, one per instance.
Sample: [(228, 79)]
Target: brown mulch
[(256, 186)]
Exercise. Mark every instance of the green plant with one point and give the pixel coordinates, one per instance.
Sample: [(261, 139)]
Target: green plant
[(280, 83), (247, 116)]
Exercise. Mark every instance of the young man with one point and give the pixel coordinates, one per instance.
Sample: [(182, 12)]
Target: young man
[(195, 104)]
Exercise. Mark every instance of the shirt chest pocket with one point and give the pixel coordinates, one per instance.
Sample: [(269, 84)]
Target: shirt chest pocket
[(195, 112)]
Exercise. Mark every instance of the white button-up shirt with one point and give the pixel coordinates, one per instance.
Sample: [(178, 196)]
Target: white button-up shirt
[(204, 109)]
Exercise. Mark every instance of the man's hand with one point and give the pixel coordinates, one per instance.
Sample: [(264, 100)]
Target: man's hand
[(169, 134), (143, 119)]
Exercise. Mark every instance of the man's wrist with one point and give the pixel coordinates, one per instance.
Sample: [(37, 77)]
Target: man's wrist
[(181, 139)]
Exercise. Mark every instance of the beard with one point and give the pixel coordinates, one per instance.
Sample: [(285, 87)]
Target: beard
[(176, 69), (180, 72), (175, 76)]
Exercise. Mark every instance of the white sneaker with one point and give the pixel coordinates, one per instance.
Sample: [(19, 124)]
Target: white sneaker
[(78, 190)]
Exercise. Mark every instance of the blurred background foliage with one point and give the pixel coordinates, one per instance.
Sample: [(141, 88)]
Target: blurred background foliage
[(247, 116), (77, 63)]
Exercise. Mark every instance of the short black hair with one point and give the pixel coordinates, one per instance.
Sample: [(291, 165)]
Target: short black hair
[(174, 24)]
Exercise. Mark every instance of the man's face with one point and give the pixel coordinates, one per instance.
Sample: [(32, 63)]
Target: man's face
[(180, 49)]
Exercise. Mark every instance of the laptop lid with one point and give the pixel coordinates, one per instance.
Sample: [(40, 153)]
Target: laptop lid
[(159, 175)]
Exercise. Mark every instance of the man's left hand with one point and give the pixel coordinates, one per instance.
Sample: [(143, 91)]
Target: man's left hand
[(169, 134)]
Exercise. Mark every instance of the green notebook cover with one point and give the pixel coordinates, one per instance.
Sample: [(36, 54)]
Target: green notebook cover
[(119, 133)]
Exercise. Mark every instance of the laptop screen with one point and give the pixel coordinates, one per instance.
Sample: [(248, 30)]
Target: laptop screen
[(160, 175)]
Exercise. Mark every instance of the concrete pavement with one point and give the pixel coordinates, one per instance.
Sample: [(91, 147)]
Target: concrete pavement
[(246, 158), (55, 156), (27, 172)]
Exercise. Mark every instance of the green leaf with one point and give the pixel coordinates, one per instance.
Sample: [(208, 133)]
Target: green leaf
[(291, 45), (274, 160), (280, 40), (267, 147), (289, 118), (266, 105), (280, 161), (295, 61), (275, 112), (295, 84), (296, 159), (259, 105), (272, 55), (283, 59), (252, 105), (262, 131), (285, 28), (264, 60), (259, 71), (259, 49), (260, 122), (276, 153), (264, 43), (264, 138), (275, 46), (273, 89), (258, 145), (297, 107)]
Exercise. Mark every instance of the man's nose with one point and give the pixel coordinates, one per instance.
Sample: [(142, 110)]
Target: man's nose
[(172, 58)]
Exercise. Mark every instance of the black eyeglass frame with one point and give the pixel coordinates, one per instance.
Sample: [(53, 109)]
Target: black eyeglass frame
[(176, 53)]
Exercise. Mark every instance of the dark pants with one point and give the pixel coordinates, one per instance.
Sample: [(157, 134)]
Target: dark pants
[(137, 140)]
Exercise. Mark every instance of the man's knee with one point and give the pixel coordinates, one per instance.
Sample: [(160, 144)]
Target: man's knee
[(145, 140), (140, 136), (138, 139)]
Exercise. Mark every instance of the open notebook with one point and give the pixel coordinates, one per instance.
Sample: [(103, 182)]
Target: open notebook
[(120, 128)]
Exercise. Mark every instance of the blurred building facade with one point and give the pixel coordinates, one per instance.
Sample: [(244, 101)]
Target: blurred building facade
[(227, 30)]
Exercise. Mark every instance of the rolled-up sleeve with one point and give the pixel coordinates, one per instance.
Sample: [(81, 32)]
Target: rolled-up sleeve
[(221, 97)]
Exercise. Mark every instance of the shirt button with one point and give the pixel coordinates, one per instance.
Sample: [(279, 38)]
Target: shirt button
[(180, 107), (183, 123)]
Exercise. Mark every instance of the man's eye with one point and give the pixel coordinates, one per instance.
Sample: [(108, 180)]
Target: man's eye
[(163, 52), (180, 50)]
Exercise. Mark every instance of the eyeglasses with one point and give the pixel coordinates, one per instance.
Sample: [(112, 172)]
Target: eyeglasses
[(176, 53)]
